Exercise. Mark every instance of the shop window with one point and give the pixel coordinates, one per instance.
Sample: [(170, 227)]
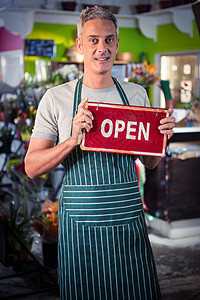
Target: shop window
[(182, 69), (12, 67)]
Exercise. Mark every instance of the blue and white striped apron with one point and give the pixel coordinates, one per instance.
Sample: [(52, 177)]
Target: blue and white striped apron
[(104, 250)]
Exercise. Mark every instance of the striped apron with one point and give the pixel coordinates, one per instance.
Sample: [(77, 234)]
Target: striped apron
[(104, 250)]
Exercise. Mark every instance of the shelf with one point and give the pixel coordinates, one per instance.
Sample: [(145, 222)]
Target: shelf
[(186, 129), (181, 16), (185, 134), (71, 18)]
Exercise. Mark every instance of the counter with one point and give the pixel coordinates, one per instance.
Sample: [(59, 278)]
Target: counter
[(171, 190)]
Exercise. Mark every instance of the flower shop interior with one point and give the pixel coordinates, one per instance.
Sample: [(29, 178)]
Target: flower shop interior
[(160, 49)]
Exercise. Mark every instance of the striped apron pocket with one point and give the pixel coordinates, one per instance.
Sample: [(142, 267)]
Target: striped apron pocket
[(105, 205)]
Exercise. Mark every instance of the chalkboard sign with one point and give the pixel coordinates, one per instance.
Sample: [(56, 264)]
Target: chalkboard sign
[(43, 48)]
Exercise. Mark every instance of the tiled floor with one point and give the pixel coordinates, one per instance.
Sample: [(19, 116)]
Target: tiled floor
[(29, 280), (178, 267), (177, 261)]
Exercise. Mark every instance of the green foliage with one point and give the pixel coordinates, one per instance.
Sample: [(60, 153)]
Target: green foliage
[(19, 223)]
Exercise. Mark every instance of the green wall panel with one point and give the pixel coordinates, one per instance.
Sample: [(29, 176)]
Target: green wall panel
[(64, 36), (130, 40), (169, 39)]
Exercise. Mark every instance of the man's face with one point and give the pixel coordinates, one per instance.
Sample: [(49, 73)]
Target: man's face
[(99, 45)]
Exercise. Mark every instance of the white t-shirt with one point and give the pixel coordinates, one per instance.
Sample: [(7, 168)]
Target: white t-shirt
[(54, 114)]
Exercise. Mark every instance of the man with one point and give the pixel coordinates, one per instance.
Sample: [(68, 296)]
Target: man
[(104, 251)]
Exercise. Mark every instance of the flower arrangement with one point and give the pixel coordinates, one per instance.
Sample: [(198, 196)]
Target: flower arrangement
[(29, 94), (49, 220), (145, 76), (25, 121)]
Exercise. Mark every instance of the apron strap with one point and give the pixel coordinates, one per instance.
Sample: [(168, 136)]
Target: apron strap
[(78, 89), (77, 95), (121, 91)]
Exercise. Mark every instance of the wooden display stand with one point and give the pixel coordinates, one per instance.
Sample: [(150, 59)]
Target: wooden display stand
[(171, 190)]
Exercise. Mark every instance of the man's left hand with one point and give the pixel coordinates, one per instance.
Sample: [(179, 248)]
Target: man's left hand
[(167, 124)]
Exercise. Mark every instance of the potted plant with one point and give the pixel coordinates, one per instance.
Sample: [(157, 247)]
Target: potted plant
[(17, 236), (142, 8), (11, 164), (26, 188), (18, 215), (68, 5)]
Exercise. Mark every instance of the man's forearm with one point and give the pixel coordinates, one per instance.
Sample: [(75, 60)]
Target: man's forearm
[(150, 162), (42, 161)]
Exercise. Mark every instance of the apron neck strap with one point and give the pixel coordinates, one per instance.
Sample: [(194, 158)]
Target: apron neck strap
[(77, 95), (121, 91), (78, 90)]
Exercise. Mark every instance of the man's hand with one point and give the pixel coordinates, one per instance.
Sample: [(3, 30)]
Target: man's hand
[(167, 124), (82, 120), (166, 127)]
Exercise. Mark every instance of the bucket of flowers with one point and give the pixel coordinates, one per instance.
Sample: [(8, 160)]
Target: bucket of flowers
[(48, 229), (50, 220)]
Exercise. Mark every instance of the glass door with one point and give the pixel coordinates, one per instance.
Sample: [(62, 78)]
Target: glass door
[(182, 69)]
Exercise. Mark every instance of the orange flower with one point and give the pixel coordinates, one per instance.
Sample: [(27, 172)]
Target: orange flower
[(50, 219)]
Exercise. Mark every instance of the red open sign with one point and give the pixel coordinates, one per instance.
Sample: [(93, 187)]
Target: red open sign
[(125, 129)]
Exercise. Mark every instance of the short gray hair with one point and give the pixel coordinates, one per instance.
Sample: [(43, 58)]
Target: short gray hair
[(92, 13)]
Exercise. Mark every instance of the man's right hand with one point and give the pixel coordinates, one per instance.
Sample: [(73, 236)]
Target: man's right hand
[(82, 120)]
